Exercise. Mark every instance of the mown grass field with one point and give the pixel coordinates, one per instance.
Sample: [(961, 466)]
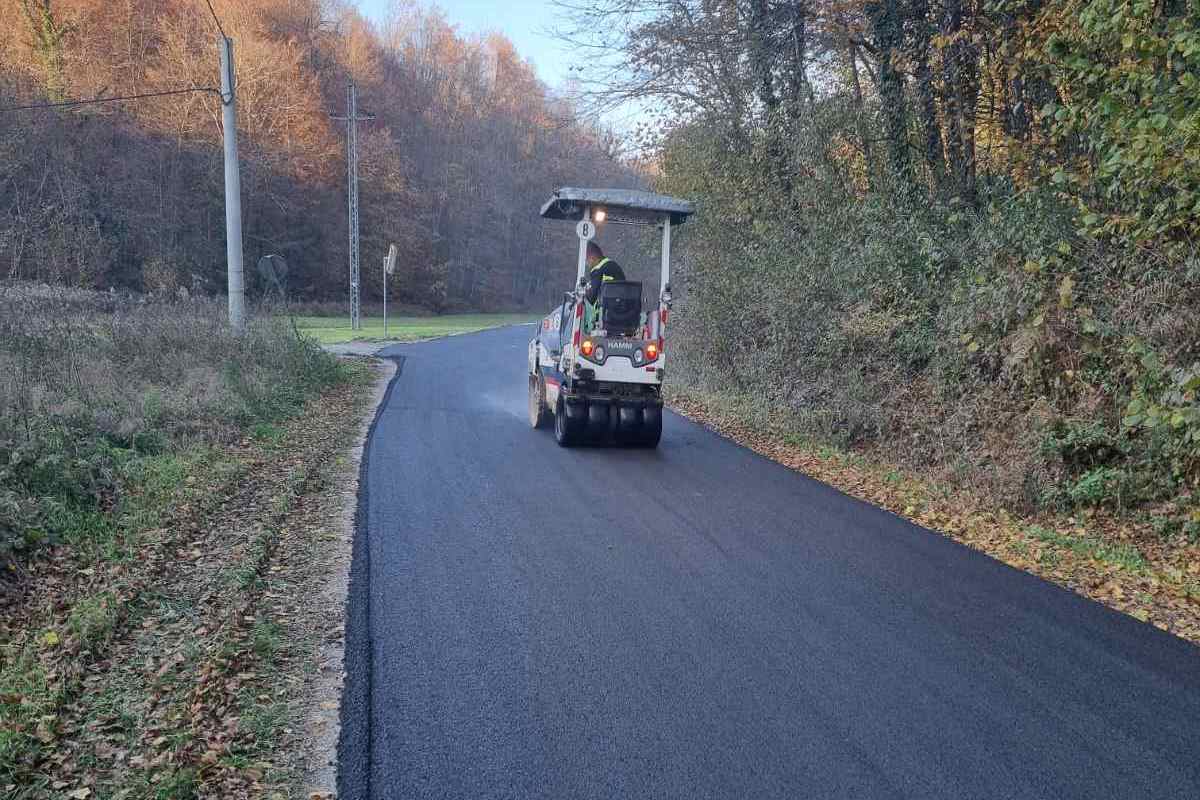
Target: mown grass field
[(336, 330)]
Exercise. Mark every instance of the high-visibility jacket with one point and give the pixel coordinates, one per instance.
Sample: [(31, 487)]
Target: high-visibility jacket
[(605, 270)]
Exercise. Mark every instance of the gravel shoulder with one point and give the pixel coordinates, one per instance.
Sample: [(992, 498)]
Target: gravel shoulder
[(324, 694)]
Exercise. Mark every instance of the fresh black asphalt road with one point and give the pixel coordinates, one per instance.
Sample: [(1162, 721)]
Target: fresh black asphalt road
[(698, 622)]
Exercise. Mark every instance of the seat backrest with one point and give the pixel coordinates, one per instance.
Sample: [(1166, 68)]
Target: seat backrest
[(621, 306)]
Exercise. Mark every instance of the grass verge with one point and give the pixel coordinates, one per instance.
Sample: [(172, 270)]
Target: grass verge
[(103, 397), (172, 662), (159, 475), (1117, 561), (336, 330)]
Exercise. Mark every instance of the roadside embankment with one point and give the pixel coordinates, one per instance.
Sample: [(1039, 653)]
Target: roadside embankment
[(176, 501)]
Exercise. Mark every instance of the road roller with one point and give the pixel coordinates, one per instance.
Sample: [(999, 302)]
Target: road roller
[(596, 365)]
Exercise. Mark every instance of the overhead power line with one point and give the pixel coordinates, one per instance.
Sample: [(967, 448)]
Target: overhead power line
[(214, 16), (93, 101), (74, 103)]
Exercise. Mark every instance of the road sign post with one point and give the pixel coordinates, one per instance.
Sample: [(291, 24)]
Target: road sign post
[(389, 267)]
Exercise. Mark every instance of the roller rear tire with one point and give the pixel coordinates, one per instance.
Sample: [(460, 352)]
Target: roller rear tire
[(651, 430), (539, 414), (565, 433), (629, 425)]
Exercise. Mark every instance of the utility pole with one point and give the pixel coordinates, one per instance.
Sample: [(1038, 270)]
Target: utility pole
[(352, 119), (233, 190)]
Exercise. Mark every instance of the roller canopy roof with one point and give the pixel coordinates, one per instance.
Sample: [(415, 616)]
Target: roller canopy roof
[(621, 205)]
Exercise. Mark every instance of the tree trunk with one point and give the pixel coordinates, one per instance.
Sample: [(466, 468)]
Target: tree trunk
[(926, 105), (863, 133), (762, 56), (48, 35), (888, 30), (798, 88), (962, 91)]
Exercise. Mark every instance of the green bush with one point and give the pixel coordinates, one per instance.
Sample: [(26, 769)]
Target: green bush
[(1164, 411), (1082, 444), (990, 340), (1098, 486)]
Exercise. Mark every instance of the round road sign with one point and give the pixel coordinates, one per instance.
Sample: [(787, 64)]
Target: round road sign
[(586, 230)]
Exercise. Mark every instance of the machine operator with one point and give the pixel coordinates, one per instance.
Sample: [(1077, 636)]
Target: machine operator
[(600, 269)]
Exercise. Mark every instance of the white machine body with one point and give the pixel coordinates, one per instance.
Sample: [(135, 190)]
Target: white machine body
[(596, 383)]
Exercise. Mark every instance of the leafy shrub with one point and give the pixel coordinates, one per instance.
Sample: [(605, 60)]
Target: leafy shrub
[(994, 341), (1132, 68), (1098, 486), (1164, 409), (1081, 444)]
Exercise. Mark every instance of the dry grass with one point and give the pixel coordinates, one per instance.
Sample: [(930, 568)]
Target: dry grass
[(153, 468), (91, 384), (179, 665)]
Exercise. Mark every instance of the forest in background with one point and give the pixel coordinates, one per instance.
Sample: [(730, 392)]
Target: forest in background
[(465, 144), (960, 232)]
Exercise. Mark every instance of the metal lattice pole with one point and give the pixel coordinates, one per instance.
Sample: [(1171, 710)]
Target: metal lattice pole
[(352, 119)]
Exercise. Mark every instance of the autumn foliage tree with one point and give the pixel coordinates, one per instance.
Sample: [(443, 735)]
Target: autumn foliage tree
[(465, 144)]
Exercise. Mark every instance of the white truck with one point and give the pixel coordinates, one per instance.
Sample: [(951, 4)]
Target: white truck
[(597, 369)]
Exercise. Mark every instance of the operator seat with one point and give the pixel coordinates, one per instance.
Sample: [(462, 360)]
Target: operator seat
[(621, 307)]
